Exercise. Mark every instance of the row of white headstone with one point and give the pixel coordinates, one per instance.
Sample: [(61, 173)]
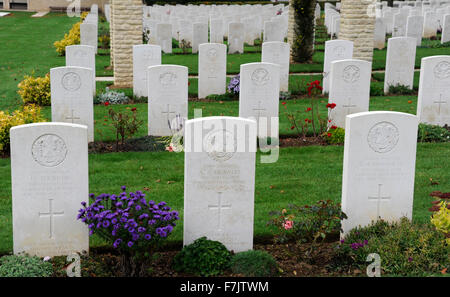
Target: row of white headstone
[(50, 179), (348, 81)]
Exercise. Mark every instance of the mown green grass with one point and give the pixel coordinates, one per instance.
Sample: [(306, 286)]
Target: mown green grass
[(301, 175)]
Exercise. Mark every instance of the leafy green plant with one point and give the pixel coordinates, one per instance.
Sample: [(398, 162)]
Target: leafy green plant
[(335, 135), (224, 97), (285, 95), (24, 266), (376, 90), (303, 43), (400, 90), (203, 257), (254, 264), (405, 248), (308, 223), (433, 133), (112, 97), (125, 124), (184, 45)]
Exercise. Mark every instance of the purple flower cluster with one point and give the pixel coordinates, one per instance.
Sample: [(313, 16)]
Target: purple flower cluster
[(357, 245), (128, 219), (234, 85)]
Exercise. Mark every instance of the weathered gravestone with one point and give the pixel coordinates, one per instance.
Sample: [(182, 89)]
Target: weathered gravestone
[(216, 28), (379, 164), (278, 53), (71, 97), (433, 105), (400, 60), (446, 29), (89, 35), (349, 89), (380, 34), (144, 56), (199, 35), (212, 69), (335, 50), (82, 56), (430, 25), (164, 37), (414, 28), (219, 184), (259, 96), (236, 38), (272, 32), (49, 179), (167, 98), (399, 27)]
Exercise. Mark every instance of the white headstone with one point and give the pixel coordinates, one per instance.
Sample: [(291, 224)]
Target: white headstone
[(414, 28), (164, 37), (335, 50), (216, 28), (199, 35), (430, 25), (219, 184), (212, 69), (380, 34), (259, 96), (144, 56), (82, 56), (349, 89), (49, 171), (433, 105), (278, 53), (379, 164), (89, 35), (236, 38), (446, 29), (400, 61), (399, 27), (167, 98), (71, 97), (272, 32)]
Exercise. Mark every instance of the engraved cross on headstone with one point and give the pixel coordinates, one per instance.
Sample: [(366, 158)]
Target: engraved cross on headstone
[(51, 214), (440, 102), (259, 109), (379, 198), (72, 117), (219, 207), (349, 105), (168, 112)]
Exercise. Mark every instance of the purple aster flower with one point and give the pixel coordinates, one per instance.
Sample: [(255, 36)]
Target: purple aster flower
[(148, 236), (130, 243)]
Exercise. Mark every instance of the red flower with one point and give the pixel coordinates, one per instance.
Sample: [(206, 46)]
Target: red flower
[(329, 134), (333, 127), (133, 109), (331, 105), (306, 120), (106, 103), (309, 109), (284, 103), (293, 127)]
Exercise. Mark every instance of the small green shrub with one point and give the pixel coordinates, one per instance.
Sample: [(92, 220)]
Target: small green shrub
[(112, 97), (24, 266), (224, 97), (335, 135), (400, 90), (203, 257), (376, 90), (254, 264), (405, 248), (285, 96), (433, 133)]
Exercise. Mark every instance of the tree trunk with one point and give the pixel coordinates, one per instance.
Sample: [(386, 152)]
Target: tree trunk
[(303, 30)]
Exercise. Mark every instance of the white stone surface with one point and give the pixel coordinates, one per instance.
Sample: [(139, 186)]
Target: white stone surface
[(199, 35), (236, 38), (71, 97), (167, 98), (49, 171), (335, 50), (217, 31), (164, 37), (446, 29), (433, 105), (144, 56), (399, 27), (400, 60), (259, 96), (380, 34), (349, 89), (212, 69), (89, 35), (430, 25), (379, 167), (414, 28), (219, 184), (82, 56), (278, 53), (272, 32)]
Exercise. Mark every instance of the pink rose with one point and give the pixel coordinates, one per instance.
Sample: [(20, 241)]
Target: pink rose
[(288, 225)]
